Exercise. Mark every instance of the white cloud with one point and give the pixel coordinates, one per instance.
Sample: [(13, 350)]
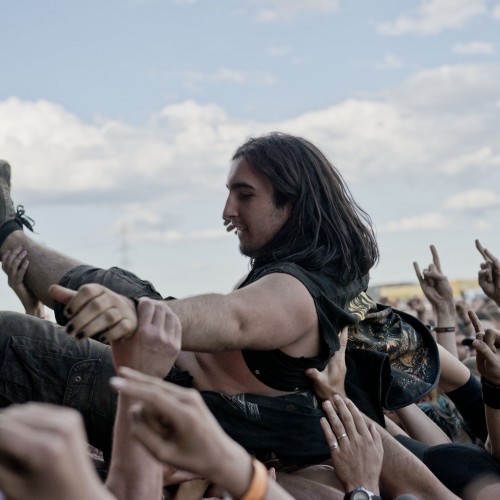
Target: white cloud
[(53, 151), (276, 10), (496, 12), (441, 124), (429, 221), (390, 62), (473, 200), (482, 158), (434, 16), (441, 121), (473, 48)]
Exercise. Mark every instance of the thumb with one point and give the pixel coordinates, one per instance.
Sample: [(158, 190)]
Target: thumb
[(61, 294)]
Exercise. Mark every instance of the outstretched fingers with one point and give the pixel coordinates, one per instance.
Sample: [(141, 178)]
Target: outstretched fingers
[(482, 250), (435, 258), (418, 272), (478, 328)]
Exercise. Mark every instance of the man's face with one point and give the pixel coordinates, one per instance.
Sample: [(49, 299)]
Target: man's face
[(250, 207)]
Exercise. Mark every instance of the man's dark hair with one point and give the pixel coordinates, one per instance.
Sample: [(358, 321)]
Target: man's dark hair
[(326, 226)]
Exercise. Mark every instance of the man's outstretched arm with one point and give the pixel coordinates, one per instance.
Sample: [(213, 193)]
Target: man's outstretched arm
[(271, 313), (274, 312)]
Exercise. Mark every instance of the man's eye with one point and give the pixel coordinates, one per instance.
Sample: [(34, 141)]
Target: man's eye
[(244, 196)]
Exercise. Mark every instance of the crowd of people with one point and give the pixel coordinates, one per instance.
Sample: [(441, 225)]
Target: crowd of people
[(295, 384)]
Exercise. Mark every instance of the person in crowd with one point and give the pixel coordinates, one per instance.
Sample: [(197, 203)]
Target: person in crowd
[(311, 248), (438, 291)]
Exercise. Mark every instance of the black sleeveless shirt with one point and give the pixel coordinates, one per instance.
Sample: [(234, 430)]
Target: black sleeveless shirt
[(336, 306)]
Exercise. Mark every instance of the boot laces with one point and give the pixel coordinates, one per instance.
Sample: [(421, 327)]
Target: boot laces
[(23, 219)]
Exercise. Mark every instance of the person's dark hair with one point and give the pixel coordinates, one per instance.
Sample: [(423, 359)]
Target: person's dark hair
[(326, 225)]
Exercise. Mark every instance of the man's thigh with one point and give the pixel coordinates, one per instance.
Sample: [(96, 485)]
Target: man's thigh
[(39, 362)]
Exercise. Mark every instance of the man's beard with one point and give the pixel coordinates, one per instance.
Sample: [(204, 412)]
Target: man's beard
[(248, 251)]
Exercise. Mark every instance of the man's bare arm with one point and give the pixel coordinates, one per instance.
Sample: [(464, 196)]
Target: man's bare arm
[(276, 311), (272, 313)]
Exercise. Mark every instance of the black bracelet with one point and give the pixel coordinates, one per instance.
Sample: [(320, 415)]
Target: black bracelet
[(444, 329), (491, 394)]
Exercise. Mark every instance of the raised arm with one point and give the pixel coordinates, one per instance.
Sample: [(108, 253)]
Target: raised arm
[(176, 427), (437, 289), (489, 274), (153, 348), (487, 345)]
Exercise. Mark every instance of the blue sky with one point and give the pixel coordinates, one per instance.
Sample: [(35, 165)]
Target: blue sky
[(119, 118)]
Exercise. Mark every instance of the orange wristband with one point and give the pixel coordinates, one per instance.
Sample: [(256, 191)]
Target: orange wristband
[(259, 483)]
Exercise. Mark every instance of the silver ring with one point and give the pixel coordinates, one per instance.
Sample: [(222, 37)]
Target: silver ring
[(341, 436), (334, 446)]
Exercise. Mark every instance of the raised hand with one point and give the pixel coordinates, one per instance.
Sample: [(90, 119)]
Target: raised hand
[(176, 427), (173, 423), (356, 448), (435, 285), (15, 264), (489, 274), (487, 345)]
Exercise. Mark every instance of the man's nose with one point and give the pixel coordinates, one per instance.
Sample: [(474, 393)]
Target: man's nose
[(229, 208)]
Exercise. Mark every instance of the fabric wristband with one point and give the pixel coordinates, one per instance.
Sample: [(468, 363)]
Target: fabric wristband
[(491, 394), (9, 227), (259, 483), (444, 329)]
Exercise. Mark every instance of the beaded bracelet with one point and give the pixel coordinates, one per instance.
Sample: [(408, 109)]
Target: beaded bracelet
[(259, 483), (491, 394), (444, 329)]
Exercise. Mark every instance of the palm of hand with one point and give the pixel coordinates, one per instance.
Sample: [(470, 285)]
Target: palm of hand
[(437, 290)]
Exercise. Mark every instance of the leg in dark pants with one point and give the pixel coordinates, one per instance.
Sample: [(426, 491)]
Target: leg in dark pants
[(39, 362)]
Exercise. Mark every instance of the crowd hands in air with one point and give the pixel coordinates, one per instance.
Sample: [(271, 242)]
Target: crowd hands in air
[(165, 435), (167, 443)]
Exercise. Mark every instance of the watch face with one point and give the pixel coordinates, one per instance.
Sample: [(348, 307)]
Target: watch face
[(360, 495)]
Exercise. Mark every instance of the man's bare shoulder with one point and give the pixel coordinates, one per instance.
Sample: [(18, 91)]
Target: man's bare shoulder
[(282, 303)]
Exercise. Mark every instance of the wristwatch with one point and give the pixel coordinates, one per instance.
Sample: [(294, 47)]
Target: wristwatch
[(361, 494)]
